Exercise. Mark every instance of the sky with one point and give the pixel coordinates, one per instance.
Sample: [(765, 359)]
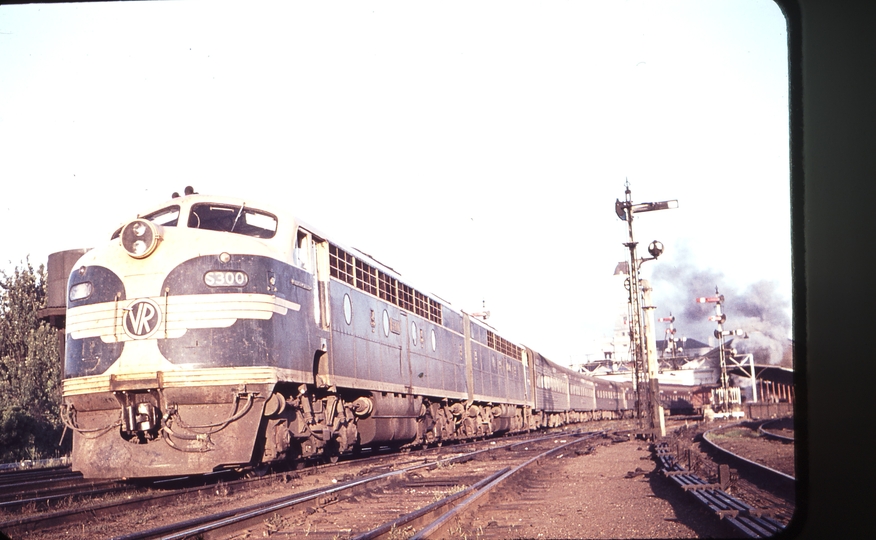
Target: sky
[(477, 148)]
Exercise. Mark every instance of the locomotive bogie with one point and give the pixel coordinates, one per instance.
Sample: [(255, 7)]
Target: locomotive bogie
[(303, 422)]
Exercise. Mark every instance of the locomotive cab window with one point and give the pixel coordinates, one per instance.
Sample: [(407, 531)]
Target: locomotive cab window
[(303, 251), (234, 219), (166, 217)]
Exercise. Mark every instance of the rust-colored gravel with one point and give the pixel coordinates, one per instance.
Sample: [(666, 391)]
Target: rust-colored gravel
[(744, 440), (590, 496), (594, 496)]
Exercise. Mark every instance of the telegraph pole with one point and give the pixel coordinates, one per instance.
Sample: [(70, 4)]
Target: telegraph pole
[(644, 365)]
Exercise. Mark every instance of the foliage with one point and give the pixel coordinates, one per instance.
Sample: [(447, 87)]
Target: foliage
[(30, 368)]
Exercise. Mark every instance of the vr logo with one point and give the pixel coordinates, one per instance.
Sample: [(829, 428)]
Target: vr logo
[(142, 319)]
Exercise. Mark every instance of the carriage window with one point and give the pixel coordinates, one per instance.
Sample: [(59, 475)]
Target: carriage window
[(236, 219)]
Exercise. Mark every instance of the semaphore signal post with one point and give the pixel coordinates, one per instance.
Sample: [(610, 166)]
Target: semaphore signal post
[(648, 409)]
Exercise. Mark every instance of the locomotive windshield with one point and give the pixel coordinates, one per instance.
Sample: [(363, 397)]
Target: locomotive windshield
[(166, 217), (235, 219)]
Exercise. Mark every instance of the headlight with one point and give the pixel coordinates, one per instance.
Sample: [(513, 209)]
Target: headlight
[(140, 238), (80, 291)]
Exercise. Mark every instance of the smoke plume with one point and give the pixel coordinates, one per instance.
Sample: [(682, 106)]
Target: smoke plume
[(758, 309)]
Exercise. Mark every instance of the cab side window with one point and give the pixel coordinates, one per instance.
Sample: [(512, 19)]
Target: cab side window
[(303, 251)]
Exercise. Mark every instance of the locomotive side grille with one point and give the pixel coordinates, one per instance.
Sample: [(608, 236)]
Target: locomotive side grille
[(365, 277), (498, 343), (341, 264), (388, 288)]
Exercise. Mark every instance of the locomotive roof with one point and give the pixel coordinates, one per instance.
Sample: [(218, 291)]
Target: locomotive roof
[(281, 214), (286, 218), (219, 199)]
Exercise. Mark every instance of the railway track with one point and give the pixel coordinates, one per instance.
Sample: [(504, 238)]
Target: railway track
[(781, 429), (751, 521), (423, 499), (311, 498), (72, 503), (33, 499), (756, 499), (12, 476), (86, 506), (739, 458), (328, 500), (38, 490), (12, 483)]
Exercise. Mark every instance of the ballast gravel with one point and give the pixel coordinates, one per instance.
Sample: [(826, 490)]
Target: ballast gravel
[(602, 495)]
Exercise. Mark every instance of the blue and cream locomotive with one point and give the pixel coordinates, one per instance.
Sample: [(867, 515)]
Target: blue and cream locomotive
[(212, 333)]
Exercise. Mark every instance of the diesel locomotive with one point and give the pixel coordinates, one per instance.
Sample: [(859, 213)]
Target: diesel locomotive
[(212, 333)]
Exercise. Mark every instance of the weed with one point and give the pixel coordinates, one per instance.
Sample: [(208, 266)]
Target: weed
[(439, 495), (222, 490), (275, 523), (401, 534)]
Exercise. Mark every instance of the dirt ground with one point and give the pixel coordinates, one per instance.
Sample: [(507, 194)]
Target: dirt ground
[(595, 496), (617, 492)]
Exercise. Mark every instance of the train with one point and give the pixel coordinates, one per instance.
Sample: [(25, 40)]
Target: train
[(211, 333)]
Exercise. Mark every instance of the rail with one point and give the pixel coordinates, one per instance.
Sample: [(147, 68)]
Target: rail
[(427, 514), (440, 527), (239, 520), (755, 464), (231, 521), (772, 434)]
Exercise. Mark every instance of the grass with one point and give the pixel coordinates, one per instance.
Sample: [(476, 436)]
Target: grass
[(734, 433)]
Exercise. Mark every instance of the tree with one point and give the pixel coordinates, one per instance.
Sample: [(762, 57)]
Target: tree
[(30, 368)]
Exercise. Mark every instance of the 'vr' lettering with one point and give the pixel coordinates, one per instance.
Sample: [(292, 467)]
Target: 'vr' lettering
[(142, 319)]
